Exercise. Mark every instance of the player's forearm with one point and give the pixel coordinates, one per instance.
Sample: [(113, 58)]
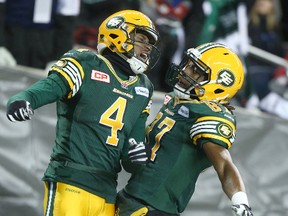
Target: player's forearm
[(231, 180), (138, 131), (40, 93)]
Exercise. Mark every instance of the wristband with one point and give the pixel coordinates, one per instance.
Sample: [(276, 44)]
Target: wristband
[(239, 198)]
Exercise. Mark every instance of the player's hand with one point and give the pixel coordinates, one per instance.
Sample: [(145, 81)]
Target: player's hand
[(138, 153), (19, 110), (242, 210)]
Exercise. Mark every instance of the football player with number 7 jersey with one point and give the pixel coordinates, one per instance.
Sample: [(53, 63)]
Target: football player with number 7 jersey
[(102, 100), (192, 131)]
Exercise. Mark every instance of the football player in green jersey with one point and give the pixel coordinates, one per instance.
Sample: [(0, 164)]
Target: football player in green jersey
[(102, 100), (192, 131)]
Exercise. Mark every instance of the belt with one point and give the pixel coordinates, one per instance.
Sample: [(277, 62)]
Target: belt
[(85, 168)]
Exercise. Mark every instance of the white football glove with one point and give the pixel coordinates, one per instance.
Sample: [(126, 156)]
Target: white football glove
[(138, 153), (19, 110), (241, 210), (6, 58)]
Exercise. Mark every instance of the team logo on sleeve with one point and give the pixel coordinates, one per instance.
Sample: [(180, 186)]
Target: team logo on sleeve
[(61, 63), (100, 76), (225, 130)]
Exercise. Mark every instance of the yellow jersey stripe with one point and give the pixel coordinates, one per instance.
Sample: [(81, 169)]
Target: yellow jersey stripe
[(209, 118), (64, 74), (213, 136)]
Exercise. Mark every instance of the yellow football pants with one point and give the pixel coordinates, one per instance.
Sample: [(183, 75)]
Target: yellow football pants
[(62, 199)]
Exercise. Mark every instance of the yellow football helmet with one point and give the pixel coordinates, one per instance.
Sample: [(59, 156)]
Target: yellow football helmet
[(220, 74), (116, 34)]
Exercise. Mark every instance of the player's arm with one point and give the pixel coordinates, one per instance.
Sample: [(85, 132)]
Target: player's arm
[(136, 151), (42, 92), (230, 178), (20, 106), (65, 79), (138, 131)]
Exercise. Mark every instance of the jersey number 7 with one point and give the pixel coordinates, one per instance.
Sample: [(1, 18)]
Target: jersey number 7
[(165, 125)]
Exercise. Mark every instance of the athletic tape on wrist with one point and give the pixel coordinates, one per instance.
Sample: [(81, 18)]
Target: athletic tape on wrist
[(240, 198)]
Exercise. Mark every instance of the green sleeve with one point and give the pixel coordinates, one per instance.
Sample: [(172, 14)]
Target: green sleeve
[(209, 25), (43, 92), (138, 133)]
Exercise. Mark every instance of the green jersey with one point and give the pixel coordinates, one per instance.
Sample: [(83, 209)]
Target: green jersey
[(221, 22), (176, 137), (96, 110)]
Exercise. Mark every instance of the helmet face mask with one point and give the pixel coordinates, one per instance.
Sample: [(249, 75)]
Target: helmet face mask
[(137, 39), (215, 73), (119, 34), (189, 76)]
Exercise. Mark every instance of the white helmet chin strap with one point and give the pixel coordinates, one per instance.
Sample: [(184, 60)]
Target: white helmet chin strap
[(137, 66), (179, 92)]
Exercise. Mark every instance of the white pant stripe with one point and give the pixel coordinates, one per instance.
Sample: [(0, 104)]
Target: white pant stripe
[(50, 194)]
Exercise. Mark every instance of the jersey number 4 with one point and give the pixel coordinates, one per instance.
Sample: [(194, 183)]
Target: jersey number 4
[(115, 122)]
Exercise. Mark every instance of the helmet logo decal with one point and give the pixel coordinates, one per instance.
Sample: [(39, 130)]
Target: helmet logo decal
[(115, 22), (226, 78)]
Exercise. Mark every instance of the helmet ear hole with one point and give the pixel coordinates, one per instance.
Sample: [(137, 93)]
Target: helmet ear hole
[(101, 38), (218, 91), (113, 36)]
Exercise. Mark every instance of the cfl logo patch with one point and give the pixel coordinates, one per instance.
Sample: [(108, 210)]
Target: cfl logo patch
[(226, 78), (100, 76)]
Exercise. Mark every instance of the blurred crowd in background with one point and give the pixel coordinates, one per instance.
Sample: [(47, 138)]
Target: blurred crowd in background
[(36, 33)]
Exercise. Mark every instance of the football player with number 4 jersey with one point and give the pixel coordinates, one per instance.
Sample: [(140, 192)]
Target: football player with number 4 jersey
[(192, 131), (102, 100)]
